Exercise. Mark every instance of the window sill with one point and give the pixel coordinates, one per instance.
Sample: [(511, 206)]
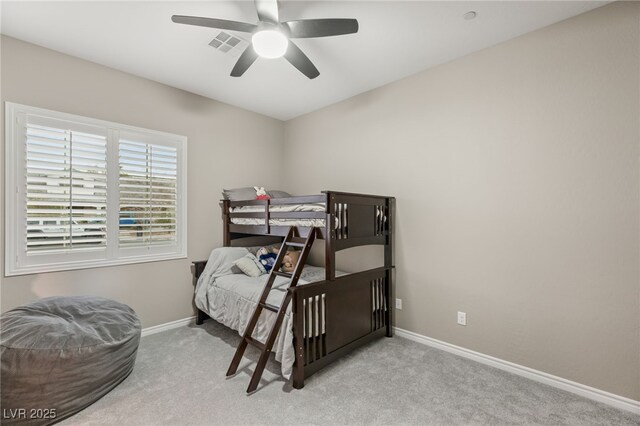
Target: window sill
[(69, 266)]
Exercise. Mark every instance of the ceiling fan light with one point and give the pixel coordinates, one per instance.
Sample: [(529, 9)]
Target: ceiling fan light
[(270, 43)]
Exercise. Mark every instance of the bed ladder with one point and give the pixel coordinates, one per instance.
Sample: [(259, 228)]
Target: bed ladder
[(291, 240)]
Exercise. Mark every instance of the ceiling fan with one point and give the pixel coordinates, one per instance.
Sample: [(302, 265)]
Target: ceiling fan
[(272, 38)]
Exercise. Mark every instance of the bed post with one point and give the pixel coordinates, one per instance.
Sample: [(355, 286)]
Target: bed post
[(198, 268), (389, 263), (330, 231), (267, 216), (226, 241), (298, 340)]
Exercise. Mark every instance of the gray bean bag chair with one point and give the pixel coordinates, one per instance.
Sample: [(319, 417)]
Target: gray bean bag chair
[(61, 354)]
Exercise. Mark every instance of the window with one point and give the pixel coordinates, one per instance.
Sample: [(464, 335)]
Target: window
[(84, 193)]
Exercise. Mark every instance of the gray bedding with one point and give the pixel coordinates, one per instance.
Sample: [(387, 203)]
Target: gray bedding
[(230, 299), (318, 207)]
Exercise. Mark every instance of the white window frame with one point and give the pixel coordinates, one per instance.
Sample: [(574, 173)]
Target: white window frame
[(18, 262)]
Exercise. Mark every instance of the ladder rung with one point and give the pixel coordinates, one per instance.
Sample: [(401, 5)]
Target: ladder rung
[(272, 308), (292, 244), (255, 343), (282, 274)]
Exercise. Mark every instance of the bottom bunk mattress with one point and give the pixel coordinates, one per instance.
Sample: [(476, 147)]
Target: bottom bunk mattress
[(230, 298)]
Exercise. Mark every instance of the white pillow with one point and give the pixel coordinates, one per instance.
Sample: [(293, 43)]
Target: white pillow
[(250, 265)]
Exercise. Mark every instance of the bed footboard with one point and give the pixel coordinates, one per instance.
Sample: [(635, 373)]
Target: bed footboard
[(331, 318)]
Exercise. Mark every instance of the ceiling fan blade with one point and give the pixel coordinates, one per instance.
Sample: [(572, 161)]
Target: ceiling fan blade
[(267, 10), (307, 28), (247, 58), (299, 60), (220, 24)]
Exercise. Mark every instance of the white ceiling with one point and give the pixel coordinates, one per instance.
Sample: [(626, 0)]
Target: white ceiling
[(396, 39)]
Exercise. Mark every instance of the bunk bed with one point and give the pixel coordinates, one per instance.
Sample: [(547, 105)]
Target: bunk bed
[(330, 317)]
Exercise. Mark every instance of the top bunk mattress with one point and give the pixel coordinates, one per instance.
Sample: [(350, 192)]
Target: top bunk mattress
[(316, 207)]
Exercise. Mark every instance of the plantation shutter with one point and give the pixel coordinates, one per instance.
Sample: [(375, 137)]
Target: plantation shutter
[(66, 186), (148, 185)]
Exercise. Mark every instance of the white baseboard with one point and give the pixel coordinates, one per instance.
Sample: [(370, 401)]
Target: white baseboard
[(167, 326), (539, 376)]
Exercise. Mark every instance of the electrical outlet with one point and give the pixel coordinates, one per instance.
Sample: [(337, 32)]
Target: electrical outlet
[(399, 304), (462, 318)]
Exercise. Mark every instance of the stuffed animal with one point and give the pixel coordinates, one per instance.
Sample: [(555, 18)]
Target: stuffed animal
[(261, 194), (290, 260), (261, 251), (265, 250), (267, 258)]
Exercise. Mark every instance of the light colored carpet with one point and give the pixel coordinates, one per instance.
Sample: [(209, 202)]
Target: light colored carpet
[(179, 379)]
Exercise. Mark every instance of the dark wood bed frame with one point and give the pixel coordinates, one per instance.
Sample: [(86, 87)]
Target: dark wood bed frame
[(343, 313)]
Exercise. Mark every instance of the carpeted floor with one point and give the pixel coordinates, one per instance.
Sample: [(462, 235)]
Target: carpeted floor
[(179, 380)]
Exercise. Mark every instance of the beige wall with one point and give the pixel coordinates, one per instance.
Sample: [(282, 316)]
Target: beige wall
[(517, 182), (217, 134)]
